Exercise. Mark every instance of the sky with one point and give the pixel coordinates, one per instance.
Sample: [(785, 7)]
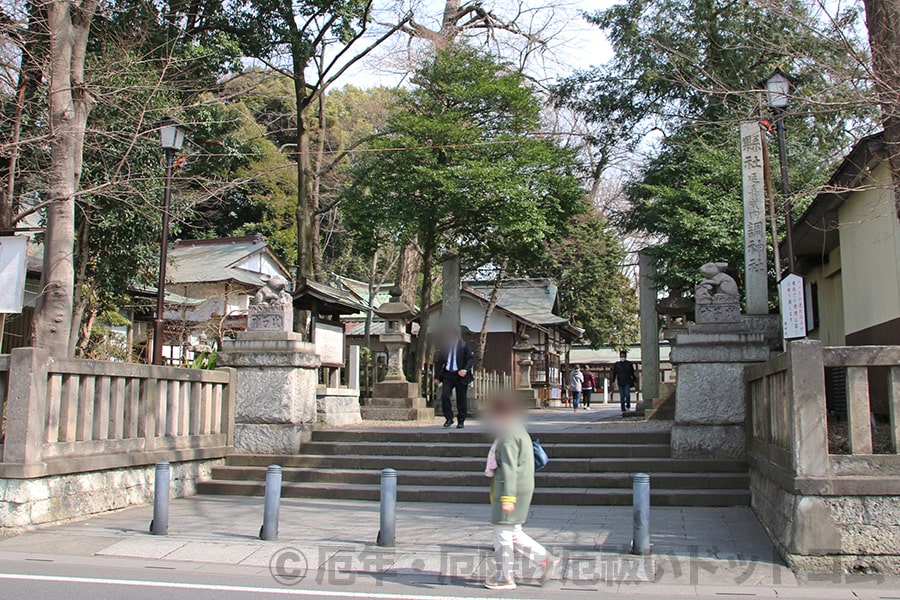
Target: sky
[(574, 44)]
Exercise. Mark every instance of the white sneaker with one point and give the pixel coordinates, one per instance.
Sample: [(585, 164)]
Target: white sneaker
[(547, 567), (500, 585)]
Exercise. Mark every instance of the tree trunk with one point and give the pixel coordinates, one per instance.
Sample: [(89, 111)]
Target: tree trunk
[(306, 225), (315, 197), (408, 268), (425, 301), (488, 313), (70, 104), (883, 20)]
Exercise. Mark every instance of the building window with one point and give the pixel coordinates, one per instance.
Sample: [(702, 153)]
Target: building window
[(812, 307)]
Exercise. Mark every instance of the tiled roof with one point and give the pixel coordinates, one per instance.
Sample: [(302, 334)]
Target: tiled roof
[(209, 261), (531, 299)]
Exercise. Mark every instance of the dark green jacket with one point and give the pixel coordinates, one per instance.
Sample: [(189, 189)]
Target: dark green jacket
[(514, 478)]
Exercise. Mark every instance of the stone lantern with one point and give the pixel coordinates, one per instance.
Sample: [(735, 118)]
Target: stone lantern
[(396, 315), (522, 352), (395, 398)]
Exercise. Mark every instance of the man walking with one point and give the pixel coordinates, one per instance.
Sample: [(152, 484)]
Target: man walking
[(587, 388), (453, 370), (576, 382), (624, 376)]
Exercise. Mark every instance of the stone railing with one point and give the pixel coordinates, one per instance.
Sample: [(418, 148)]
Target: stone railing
[(820, 508), (856, 362), (71, 415)]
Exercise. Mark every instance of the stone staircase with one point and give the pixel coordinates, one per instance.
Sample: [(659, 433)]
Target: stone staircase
[(436, 465)]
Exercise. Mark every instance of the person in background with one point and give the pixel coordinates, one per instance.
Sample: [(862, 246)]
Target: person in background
[(576, 383), (624, 376), (453, 370), (510, 465), (587, 388)]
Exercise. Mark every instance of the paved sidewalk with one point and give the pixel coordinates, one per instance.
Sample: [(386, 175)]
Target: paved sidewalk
[(691, 546)]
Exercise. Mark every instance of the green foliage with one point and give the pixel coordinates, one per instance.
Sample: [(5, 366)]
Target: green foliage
[(687, 68), (459, 167), (688, 195), (586, 265)]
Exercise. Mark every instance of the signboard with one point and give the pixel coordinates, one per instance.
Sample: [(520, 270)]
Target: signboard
[(12, 273), (793, 307), (756, 264), (330, 344)]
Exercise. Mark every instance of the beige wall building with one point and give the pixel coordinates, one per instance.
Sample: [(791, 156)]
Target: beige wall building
[(848, 246)]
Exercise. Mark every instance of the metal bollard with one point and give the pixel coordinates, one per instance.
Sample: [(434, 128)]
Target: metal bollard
[(640, 543), (269, 529), (388, 527), (160, 523)]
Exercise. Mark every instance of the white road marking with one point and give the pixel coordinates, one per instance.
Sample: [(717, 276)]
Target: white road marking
[(224, 588)]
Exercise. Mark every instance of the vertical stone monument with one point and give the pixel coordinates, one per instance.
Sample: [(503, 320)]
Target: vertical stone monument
[(276, 376), (395, 398), (710, 357), (756, 266), (649, 330)]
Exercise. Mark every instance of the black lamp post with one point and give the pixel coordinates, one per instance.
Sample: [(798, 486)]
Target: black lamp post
[(778, 87), (171, 139)]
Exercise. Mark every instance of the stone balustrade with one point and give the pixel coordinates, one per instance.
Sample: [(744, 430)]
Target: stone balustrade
[(81, 436), (73, 415), (823, 509)]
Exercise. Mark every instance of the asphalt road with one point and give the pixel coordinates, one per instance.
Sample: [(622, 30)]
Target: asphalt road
[(98, 579)]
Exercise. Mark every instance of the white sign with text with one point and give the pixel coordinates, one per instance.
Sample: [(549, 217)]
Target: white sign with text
[(12, 273), (793, 307)]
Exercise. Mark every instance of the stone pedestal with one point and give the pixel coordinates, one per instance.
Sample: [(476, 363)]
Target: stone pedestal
[(337, 406), (394, 400), (711, 409), (276, 390)]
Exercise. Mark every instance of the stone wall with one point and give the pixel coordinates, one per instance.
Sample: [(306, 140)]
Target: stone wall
[(337, 406), (824, 512), (842, 534), (27, 503)]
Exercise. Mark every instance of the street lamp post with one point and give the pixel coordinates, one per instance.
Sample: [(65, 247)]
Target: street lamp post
[(171, 139), (778, 87)]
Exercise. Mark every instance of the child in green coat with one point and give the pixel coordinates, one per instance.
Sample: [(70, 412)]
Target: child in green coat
[(511, 469)]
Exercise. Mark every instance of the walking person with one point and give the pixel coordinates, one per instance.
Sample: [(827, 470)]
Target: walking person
[(510, 466), (453, 369), (624, 375), (587, 387), (576, 384)]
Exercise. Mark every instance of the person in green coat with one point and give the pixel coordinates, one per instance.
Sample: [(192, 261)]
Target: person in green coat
[(511, 469)]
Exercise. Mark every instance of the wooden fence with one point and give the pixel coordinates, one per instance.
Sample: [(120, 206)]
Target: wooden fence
[(73, 415)]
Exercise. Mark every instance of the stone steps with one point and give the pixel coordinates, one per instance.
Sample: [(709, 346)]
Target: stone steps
[(474, 495), (478, 449), (476, 464), (543, 478), (586, 467)]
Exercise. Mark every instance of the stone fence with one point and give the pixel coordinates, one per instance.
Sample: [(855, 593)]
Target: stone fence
[(824, 510), (81, 436)]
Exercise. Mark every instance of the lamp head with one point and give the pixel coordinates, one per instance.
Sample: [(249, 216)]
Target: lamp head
[(171, 133)]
